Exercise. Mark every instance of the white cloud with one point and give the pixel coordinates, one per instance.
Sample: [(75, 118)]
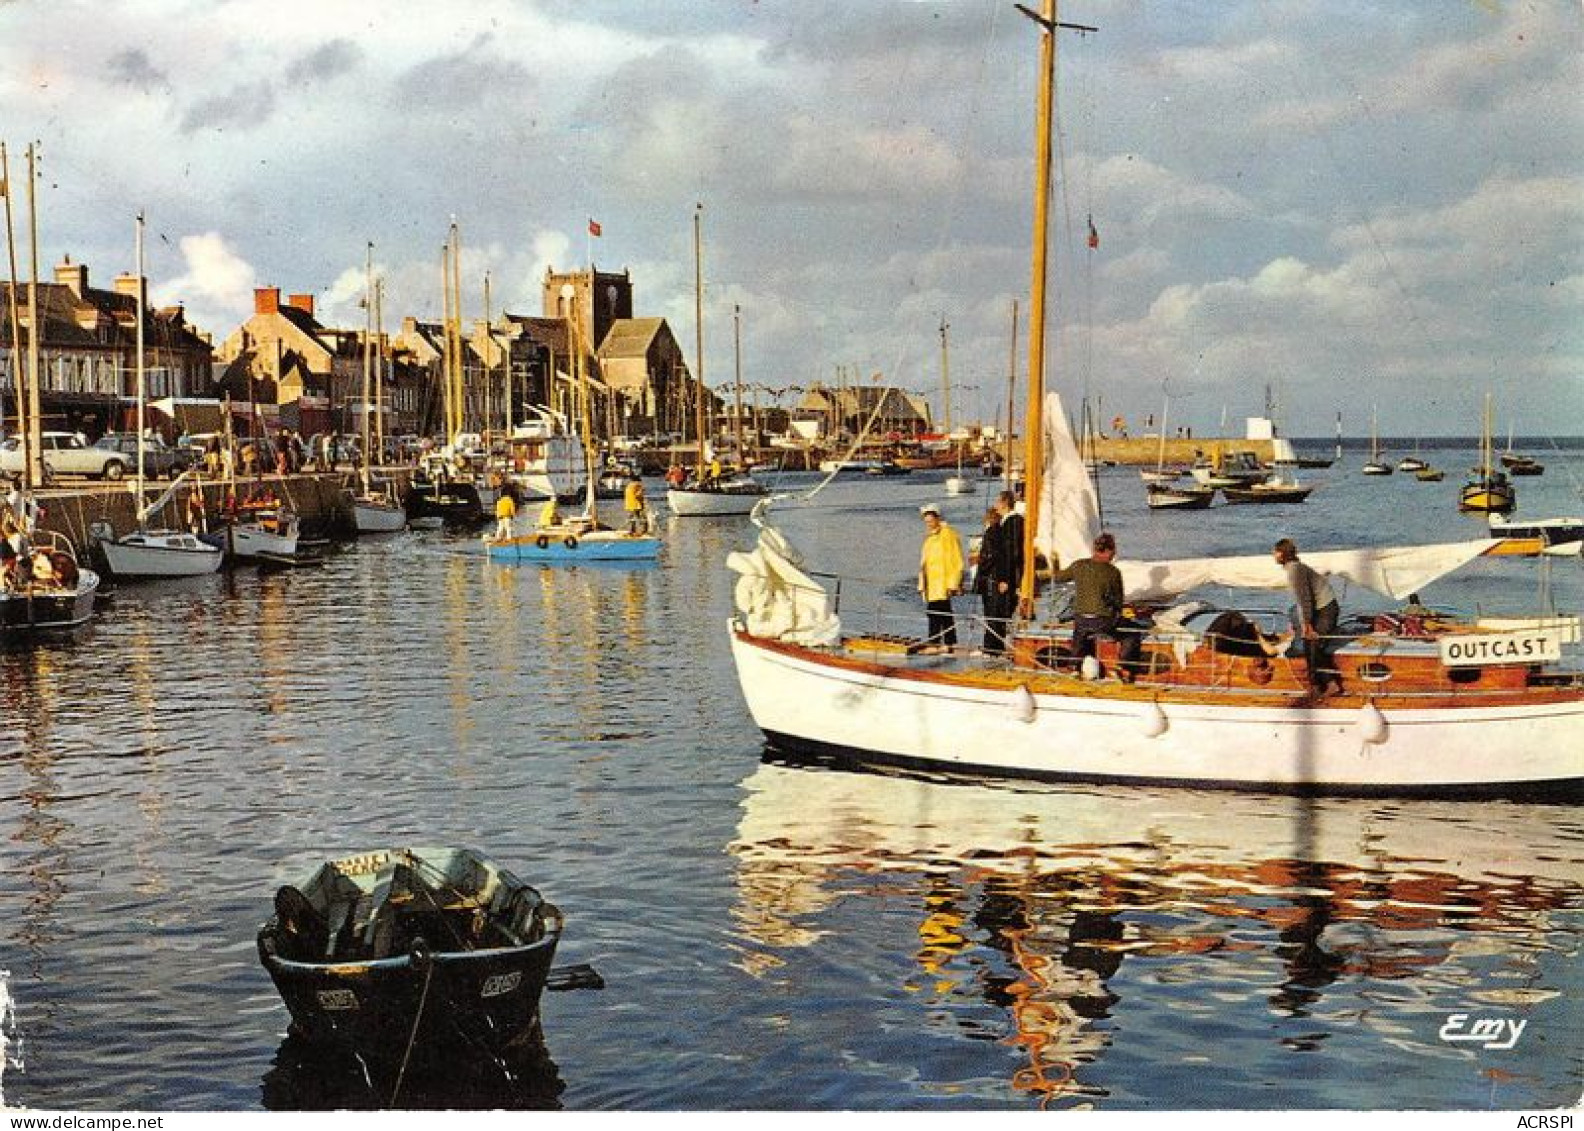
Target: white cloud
[(217, 286)]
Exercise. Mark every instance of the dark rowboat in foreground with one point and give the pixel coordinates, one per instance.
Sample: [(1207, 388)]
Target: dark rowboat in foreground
[(404, 954)]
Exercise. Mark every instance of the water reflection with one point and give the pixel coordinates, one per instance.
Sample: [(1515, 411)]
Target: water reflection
[(1060, 911), (304, 1077)]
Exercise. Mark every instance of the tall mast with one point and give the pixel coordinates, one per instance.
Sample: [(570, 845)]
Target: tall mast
[(379, 367), (368, 353), (742, 454), (458, 380), (142, 391), (1034, 425), (15, 354), (946, 405), (445, 357), (488, 356), (1011, 416), (698, 327), (33, 444)]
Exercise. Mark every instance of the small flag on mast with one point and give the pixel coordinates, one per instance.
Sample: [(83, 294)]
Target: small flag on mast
[(1094, 236), (594, 228)]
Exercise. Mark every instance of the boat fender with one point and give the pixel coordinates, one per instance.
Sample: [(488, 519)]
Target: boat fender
[(1090, 668), (570, 541), (1155, 723), (542, 542), (1023, 704), (1372, 725)]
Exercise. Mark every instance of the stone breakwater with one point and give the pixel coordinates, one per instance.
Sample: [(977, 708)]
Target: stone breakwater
[(320, 499)]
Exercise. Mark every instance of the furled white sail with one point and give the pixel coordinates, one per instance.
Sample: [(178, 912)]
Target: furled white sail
[(1068, 517), (777, 599)]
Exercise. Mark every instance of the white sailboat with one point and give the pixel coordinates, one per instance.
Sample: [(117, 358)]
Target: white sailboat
[(736, 492), (1375, 465), (1462, 710), (146, 552)]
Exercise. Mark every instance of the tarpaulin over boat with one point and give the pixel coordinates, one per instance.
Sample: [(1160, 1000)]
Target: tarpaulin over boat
[(1393, 571), (777, 599)]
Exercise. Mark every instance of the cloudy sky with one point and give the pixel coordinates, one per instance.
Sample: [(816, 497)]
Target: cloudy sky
[(1354, 203)]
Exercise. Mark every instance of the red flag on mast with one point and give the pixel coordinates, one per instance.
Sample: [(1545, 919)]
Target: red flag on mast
[(1094, 236), (594, 228)]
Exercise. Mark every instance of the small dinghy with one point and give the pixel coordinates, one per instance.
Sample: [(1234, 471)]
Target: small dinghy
[(407, 954)]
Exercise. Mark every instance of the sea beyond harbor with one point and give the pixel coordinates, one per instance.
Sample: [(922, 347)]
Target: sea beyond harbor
[(771, 936)]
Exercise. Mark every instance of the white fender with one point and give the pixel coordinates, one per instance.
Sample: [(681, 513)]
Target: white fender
[(1023, 708), (1090, 668), (1372, 725), (1155, 722)]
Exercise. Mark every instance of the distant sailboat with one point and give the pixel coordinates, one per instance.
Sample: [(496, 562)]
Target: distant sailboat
[(1489, 490), (1376, 465)]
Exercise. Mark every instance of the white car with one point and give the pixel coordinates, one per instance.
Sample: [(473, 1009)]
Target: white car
[(67, 453)]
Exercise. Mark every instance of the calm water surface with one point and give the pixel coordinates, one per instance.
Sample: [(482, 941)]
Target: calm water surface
[(770, 936)]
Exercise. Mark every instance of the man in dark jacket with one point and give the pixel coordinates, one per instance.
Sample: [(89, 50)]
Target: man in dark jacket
[(1005, 573)]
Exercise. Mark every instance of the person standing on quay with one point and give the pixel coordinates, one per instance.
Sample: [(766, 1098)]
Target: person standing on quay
[(1315, 615), (940, 579)]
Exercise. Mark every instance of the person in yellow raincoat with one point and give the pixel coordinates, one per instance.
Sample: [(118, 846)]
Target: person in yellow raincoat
[(940, 579), (505, 512), (633, 504), (549, 514)]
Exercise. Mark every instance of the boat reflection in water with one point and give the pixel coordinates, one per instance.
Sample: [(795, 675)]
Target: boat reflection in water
[(1094, 930), (303, 1077)]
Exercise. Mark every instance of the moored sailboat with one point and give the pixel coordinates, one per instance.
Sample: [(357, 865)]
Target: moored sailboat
[(1452, 708)]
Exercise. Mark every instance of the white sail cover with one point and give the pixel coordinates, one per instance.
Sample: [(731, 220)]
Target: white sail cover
[(1392, 571), (1069, 519), (776, 598)]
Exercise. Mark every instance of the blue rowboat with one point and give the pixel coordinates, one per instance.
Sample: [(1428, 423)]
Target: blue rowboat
[(570, 547)]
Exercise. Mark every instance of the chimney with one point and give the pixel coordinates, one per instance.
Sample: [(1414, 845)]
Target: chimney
[(73, 276), (303, 303), (126, 285), (266, 300)]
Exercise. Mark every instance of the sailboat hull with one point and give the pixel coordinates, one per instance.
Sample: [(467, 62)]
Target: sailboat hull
[(25, 612), (160, 554), (377, 516), (569, 549), (689, 503), (818, 703)]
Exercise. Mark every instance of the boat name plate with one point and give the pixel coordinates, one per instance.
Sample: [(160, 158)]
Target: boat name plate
[(499, 984), (1535, 646), (337, 999)]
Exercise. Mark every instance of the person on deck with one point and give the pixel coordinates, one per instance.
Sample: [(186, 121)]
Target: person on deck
[(633, 503), (1097, 607), (505, 512), (1315, 615), (1007, 572), (939, 579), (549, 514)]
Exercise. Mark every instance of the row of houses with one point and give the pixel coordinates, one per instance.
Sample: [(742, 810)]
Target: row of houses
[(283, 368)]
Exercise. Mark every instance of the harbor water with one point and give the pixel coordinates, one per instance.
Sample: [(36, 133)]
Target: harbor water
[(770, 936)]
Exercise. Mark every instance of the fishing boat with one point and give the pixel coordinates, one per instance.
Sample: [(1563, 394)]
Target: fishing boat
[(732, 492), (1281, 487), (1375, 465), (52, 594), (419, 951), (1178, 496), (1429, 475), (150, 552), (256, 529), (1488, 490), (1239, 469), (1518, 464), (1553, 533), (1461, 709)]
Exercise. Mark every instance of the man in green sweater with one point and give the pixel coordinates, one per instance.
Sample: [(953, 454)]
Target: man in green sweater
[(1097, 607)]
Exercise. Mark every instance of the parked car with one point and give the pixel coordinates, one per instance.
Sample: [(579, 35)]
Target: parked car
[(159, 458), (68, 453)]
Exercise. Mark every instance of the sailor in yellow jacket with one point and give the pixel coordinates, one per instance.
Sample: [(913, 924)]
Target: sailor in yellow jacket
[(633, 503), (940, 579), (505, 511)]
